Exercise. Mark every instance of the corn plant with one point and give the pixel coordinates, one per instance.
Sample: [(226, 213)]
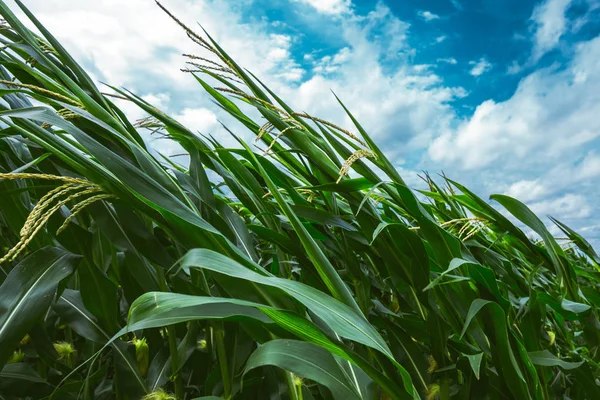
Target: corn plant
[(307, 269)]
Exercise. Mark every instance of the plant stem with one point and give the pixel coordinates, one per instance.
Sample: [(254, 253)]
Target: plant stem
[(176, 376), (199, 279), (172, 335), (222, 356), (69, 339), (445, 388), (289, 379)]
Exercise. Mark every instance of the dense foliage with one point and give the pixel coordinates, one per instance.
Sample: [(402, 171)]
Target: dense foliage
[(268, 275)]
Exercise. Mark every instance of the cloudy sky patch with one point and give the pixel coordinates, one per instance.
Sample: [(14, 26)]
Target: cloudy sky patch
[(502, 96)]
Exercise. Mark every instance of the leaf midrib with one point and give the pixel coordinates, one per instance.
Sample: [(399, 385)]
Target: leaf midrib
[(315, 365), (21, 301)]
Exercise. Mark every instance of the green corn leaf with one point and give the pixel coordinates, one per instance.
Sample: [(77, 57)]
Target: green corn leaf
[(504, 352), (579, 241), (545, 358), (341, 318), (327, 272), (524, 214), (27, 292), (305, 360), (475, 362)]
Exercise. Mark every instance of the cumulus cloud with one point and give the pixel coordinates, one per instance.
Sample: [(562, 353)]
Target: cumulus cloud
[(428, 15), (330, 64), (588, 168), (552, 192), (141, 48), (139, 40), (569, 206), (405, 105), (514, 68), (449, 60), (549, 23), (333, 7), (480, 67), (197, 119), (527, 190), (552, 114)]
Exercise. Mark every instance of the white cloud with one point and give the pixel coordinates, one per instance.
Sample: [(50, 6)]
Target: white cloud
[(441, 38), (547, 121), (140, 38), (480, 67), (457, 5), (333, 7), (569, 206), (589, 228), (514, 68), (133, 112), (527, 190), (420, 68), (552, 114), (589, 167), (141, 48), (564, 178), (428, 15), (567, 174), (330, 64), (449, 60), (197, 119), (406, 104), (519, 36), (550, 23)]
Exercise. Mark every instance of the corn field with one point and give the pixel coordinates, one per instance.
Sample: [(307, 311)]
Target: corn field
[(307, 269)]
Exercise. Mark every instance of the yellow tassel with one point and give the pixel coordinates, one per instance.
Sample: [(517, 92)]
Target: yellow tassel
[(552, 336), (433, 366), (352, 159), (64, 349), (25, 340), (50, 203), (17, 357), (159, 395), (432, 391), (142, 354)]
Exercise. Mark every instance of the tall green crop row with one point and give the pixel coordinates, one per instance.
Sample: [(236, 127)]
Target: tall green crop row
[(128, 276)]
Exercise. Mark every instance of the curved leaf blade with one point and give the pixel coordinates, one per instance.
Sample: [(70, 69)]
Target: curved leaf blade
[(27, 292), (306, 360), (340, 317)]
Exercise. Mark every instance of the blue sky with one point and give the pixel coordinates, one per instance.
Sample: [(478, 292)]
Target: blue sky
[(503, 96)]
